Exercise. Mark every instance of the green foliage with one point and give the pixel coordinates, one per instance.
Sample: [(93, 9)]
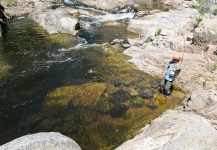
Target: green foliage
[(199, 2), (198, 19), (10, 2), (158, 32), (214, 67), (199, 5), (215, 12)]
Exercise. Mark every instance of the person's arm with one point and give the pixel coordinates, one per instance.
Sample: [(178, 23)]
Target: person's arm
[(180, 62)]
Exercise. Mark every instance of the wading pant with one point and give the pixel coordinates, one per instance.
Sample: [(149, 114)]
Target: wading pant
[(166, 84)]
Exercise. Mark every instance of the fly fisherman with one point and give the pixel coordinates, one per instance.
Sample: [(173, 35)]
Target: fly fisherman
[(172, 70)]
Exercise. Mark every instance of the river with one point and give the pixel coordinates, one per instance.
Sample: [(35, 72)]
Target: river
[(80, 86)]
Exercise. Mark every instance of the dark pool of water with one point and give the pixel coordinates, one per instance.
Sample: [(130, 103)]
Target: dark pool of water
[(89, 93)]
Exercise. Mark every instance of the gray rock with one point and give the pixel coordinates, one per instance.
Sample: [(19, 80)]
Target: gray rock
[(126, 45), (107, 4), (172, 25), (175, 130), (206, 31), (56, 21), (42, 141), (146, 93), (23, 7), (203, 102)]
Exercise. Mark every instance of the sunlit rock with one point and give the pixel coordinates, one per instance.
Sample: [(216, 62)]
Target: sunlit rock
[(42, 140), (203, 102), (56, 21), (174, 130)]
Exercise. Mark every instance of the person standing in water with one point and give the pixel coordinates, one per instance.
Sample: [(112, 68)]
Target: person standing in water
[(172, 70)]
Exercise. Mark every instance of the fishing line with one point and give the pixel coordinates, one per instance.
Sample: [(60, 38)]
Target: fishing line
[(181, 35)]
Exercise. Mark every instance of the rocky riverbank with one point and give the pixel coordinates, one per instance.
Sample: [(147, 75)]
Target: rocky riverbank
[(180, 31)]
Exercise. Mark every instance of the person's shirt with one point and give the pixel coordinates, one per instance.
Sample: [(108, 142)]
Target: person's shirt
[(172, 71)]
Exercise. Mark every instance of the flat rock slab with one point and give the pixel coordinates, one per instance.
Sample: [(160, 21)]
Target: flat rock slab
[(175, 130)]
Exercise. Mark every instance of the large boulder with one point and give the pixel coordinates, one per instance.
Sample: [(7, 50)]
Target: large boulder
[(206, 32), (151, 52), (173, 2), (56, 21), (175, 130), (108, 4), (203, 103), (21, 7), (39, 141), (165, 29), (197, 72)]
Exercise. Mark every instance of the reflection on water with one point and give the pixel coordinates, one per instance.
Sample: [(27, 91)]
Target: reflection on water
[(88, 92)]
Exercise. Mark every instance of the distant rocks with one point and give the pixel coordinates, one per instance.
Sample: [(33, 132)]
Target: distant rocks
[(121, 43), (108, 4), (40, 141), (181, 30), (206, 32), (56, 21)]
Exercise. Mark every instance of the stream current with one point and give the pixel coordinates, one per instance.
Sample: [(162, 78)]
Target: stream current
[(76, 85)]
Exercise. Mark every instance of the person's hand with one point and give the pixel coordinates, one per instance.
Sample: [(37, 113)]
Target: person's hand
[(181, 58)]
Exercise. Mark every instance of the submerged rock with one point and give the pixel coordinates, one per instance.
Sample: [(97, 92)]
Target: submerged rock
[(85, 95), (119, 102), (5, 68), (118, 110), (146, 93)]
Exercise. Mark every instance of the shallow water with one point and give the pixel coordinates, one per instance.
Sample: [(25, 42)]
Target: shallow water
[(89, 92)]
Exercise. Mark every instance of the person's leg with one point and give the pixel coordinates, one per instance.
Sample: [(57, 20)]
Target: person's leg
[(162, 84), (168, 86)]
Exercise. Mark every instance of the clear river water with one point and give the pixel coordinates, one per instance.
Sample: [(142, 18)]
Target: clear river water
[(80, 86)]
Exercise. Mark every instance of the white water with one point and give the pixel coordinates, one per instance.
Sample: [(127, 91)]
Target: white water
[(70, 1), (113, 17), (97, 20)]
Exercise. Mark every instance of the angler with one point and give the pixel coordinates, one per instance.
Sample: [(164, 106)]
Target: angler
[(172, 70)]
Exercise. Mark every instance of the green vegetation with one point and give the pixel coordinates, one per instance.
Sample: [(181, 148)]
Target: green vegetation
[(214, 67), (215, 11), (10, 2), (199, 1), (198, 19), (158, 32), (199, 4), (203, 6)]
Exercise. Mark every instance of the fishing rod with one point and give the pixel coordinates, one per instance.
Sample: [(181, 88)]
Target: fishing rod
[(182, 36)]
